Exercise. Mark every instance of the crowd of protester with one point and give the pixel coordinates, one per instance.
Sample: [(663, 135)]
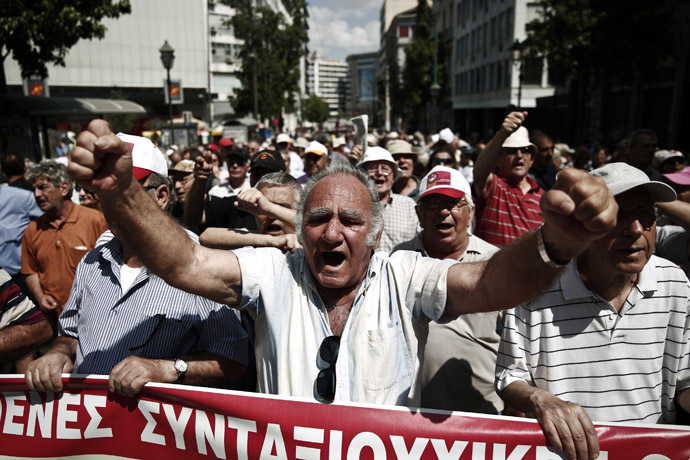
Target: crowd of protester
[(511, 276)]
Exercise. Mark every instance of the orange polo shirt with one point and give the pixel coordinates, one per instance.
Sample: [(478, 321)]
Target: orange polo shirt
[(53, 251)]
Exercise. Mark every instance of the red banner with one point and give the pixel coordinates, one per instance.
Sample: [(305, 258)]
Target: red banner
[(177, 421)]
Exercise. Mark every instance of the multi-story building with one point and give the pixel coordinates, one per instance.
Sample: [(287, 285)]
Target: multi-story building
[(361, 72), (327, 78), (487, 75), (125, 66), (225, 54), (391, 61)]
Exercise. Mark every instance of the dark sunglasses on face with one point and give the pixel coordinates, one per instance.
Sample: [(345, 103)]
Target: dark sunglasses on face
[(646, 215), (442, 161), (516, 150), (232, 161), (326, 380)]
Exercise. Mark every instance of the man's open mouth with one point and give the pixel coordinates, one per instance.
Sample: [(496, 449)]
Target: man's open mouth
[(274, 229), (333, 258)]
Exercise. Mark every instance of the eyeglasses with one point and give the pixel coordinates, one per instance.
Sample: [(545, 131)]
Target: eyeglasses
[(79, 188), (232, 161), (442, 161), (646, 215), (436, 202), (384, 169), (326, 380), (516, 150)]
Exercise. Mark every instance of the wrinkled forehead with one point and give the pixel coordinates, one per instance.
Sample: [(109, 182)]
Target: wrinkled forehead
[(339, 193)]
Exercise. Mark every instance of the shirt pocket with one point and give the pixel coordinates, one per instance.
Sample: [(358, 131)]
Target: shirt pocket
[(387, 359), (75, 254)]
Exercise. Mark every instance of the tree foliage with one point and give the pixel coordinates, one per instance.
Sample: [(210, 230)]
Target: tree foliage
[(316, 109), (613, 39), (418, 71), (270, 56), (39, 32)]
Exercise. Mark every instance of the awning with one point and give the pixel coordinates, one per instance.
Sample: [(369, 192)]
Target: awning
[(11, 105)]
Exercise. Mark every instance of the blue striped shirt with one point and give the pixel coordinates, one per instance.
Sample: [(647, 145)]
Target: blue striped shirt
[(152, 319)]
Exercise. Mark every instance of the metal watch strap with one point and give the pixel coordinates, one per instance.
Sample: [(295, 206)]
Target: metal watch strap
[(543, 253)]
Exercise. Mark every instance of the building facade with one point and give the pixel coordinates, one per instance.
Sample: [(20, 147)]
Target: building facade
[(390, 66), (361, 74), (328, 79), (487, 75)]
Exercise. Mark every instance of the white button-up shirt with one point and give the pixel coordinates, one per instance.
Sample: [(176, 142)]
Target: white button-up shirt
[(382, 343)]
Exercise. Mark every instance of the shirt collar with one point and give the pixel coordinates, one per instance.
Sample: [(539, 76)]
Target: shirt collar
[(574, 288)]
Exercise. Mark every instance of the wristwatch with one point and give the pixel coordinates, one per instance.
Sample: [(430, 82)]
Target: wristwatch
[(181, 368)]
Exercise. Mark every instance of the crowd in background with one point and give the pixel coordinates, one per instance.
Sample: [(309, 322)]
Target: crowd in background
[(443, 195)]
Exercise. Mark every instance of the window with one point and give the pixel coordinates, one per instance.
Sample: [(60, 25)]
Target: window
[(403, 31)]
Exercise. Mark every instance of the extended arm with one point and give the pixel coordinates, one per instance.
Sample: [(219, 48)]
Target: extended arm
[(256, 203), (679, 211), (103, 163), (130, 375), (44, 374), (578, 210), (486, 162), (565, 424), (222, 238), (194, 214)]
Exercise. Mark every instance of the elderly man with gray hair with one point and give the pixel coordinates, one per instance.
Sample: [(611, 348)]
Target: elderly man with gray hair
[(460, 354), (334, 320), (610, 337), (53, 244)]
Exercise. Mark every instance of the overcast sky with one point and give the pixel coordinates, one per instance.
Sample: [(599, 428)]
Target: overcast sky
[(341, 27)]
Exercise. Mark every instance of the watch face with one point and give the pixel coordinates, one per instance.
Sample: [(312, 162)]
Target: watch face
[(180, 366)]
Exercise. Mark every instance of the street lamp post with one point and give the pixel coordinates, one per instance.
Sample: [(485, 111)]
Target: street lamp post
[(516, 50), (435, 87), (168, 58)]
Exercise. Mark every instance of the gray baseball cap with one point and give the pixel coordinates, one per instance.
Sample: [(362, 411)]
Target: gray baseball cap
[(621, 177)]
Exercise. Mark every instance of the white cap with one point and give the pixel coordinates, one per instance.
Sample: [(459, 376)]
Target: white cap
[(380, 154), (445, 181), (673, 154), (300, 143), (146, 158), (447, 135), (621, 177), (317, 148), (282, 137), (520, 138), (338, 141)]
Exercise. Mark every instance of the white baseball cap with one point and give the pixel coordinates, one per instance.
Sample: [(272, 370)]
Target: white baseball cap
[(283, 138), (621, 177), (317, 148), (146, 157), (445, 181)]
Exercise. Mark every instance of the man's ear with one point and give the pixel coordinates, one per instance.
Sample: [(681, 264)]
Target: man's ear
[(163, 196), (64, 190)]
